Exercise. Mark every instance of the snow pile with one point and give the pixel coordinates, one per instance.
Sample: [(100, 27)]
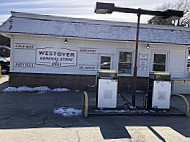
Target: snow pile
[(35, 89), (26, 89), (68, 112)]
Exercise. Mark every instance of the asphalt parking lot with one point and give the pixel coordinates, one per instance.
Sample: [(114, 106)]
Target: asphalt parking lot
[(29, 116)]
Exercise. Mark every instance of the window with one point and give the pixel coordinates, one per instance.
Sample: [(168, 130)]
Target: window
[(188, 59), (188, 64), (105, 62), (159, 62), (125, 62)]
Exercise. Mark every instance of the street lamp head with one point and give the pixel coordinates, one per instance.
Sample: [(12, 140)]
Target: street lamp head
[(103, 8), (172, 14)]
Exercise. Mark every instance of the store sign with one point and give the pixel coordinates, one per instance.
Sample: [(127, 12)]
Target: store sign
[(88, 50), (56, 57), (24, 65), (143, 68), (144, 56), (87, 67), (24, 46), (143, 61)]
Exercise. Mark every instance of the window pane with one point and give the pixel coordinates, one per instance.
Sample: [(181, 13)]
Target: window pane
[(125, 62), (188, 58), (125, 57), (158, 67), (188, 62), (105, 62), (160, 58), (159, 62), (125, 68)]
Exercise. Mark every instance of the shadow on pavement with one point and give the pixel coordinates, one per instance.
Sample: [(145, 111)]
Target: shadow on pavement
[(35, 110)]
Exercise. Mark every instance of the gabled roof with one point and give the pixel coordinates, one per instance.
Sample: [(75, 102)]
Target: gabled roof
[(35, 24)]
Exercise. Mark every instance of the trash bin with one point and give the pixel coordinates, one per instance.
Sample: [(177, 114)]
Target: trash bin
[(159, 90), (107, 88)]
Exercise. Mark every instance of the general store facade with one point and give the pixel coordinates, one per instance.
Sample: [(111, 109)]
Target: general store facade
[(67, 52)]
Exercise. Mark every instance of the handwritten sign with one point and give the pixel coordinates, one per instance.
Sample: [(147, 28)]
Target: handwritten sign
[(87, 67), (143, 56), (56, 57), (143, 68), (143, 63), (24, 65), (24, 46), (88, 50)]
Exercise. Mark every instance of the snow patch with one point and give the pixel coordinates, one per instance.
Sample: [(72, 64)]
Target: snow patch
[(35, 89), (26, 89), (61, 90), (111, 111), (68, 112), (126, 111)]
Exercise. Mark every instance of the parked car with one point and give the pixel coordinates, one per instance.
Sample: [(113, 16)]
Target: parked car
[(5, 64)]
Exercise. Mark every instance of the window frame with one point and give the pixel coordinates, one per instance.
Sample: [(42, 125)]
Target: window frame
[(132, 61), (166, 62), (111, 62)]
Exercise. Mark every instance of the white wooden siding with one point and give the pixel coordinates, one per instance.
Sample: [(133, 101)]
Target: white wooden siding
[(176, 55)]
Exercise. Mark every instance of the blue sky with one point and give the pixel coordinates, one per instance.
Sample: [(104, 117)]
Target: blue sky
[(76, 8)]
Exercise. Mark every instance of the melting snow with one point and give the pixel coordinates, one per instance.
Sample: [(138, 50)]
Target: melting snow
[(111, 111), (68, 112), (60, 90), (125, 111), (37, 89)]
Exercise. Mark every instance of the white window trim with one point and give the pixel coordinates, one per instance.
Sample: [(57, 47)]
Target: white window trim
[(159, 52), (117, 61)]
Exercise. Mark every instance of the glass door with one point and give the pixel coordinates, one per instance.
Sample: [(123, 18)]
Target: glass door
[(105, 62)]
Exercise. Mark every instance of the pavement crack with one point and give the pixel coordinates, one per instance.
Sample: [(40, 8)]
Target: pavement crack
[(77, 133)]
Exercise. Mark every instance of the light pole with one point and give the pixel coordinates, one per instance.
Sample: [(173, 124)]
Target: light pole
[(103, 8)]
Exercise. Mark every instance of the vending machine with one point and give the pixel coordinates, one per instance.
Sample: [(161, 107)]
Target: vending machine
[(107, 89)]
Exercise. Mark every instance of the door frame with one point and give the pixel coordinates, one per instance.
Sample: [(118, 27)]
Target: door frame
[(107, 55)]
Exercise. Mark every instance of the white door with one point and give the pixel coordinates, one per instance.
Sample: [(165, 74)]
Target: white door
[(106, 62)]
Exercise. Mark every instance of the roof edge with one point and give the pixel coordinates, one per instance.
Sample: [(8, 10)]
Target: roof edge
[(92, 21), (96, 39)]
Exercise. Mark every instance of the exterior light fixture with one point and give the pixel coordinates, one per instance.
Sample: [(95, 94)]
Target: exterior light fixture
[(66, 41), (147, 46), (103, 8)]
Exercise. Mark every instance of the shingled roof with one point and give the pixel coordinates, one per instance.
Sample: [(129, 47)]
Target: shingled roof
[(45, 25)]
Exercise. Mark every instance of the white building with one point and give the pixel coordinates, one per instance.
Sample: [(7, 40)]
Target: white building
[(40, 56)]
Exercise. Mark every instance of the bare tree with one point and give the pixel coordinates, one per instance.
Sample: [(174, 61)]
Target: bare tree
[(182, 5)]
